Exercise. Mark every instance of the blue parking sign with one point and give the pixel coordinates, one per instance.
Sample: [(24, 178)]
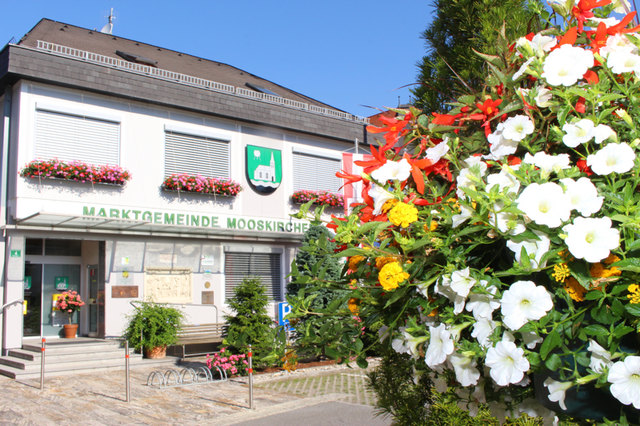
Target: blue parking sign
[(283, 309)]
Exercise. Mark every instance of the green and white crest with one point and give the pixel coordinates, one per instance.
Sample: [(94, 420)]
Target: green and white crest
[(264, 168)]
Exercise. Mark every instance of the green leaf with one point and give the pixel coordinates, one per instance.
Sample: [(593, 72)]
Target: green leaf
[(633, 309), (622, 330), (552, 341), (396, 294), (596, 330), (362, 362), (631, 264), (331, 353), (554, 362)]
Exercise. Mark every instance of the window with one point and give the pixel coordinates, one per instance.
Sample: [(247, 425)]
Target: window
[(266, 266), (196, 155), (315, 173), (71, 137)]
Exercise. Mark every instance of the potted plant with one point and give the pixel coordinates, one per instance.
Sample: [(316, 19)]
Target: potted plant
[(152, 327), (69, 302), (75, 171), (321, 198)]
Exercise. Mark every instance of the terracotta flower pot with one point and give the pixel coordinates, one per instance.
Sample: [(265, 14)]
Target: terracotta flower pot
[(156, 353), (70, 331)]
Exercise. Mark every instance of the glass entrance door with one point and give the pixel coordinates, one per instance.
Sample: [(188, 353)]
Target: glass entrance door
[(32, 299), (55, 280)]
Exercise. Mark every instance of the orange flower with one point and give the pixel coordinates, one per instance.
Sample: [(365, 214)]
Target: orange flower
[(381, 261), (354, 305), (354, 261), (574, 289)]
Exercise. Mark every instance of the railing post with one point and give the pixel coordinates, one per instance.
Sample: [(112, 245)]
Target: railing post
[(250, 370), (42, 349), (126, 365)]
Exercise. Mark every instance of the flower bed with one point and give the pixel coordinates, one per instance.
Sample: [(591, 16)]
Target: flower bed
[(202, 185), (75, 171), (231, 364), (506, 247), (321, 198)]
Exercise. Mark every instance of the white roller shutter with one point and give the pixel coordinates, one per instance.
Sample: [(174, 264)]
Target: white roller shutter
[(70, 137), (196, 155), (266, 266), (315, 173)]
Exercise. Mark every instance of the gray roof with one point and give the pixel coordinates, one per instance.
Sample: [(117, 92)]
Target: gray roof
[(166, 59)]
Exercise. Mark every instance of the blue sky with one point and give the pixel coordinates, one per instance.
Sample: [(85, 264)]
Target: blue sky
[(347, 53)]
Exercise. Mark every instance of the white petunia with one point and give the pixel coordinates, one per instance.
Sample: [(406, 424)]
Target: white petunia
[(464, 215), (435, 153), (460, 282), (534, 409), (507, 222), (548, 163), (578, 133), (591, 239), (531, 339), (380, 196), (615, 43), (482, 305), (543, 97), (406, 343), (545, 204), (621, 6), (507, 363), (535, 250), (499, 145), (482, 330), (440, 346), (582, 195), (557, 391), (392, 170), (518, 127), (602, 132), (613, 158), (624, 377), (465, 368), (524, 301), (600, 357), (566, 65), (623, 60), (523, 68), (504, 180)]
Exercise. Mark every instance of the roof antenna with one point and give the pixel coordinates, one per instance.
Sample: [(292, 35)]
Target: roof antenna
[(108, 28)]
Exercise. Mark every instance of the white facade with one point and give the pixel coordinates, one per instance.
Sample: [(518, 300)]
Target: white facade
[(172, 247)]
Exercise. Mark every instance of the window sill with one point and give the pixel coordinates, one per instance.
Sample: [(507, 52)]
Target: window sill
[(44, 179)]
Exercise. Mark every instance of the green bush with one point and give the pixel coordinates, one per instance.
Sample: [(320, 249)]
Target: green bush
[(153, 325)]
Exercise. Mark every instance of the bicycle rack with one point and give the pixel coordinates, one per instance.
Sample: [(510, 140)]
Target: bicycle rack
[(185, 377)]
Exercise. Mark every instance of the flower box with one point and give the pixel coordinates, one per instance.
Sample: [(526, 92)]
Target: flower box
[(75, 171), (321, 198), (182, 182)]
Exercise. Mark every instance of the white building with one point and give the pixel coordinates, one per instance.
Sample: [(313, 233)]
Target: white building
[(74, 94)]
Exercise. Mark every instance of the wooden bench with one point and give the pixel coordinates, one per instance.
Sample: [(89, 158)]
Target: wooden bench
[(191, 334)]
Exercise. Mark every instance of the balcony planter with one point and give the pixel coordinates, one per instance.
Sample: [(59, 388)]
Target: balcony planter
[(195, 184), (75, 171), (321, 198)]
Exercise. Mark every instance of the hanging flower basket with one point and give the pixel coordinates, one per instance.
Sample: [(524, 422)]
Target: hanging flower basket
[(75, 171), (184, 182), (321, 198)]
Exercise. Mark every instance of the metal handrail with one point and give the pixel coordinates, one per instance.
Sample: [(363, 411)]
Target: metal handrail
[(189, 80), (22, 300)]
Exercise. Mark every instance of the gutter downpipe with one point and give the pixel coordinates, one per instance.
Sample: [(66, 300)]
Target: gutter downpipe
[(4, 215)]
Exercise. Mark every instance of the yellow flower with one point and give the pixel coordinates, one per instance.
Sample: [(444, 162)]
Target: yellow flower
[(560, 272), (388, 205), (391, 275), (403, 214), (354, 305), (634, 296), (574, 289)]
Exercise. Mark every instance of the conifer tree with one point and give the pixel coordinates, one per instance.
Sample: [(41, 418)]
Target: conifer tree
[(451, 68)]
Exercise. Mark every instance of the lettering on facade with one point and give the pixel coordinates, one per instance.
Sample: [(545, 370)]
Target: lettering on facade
[(199, 220)]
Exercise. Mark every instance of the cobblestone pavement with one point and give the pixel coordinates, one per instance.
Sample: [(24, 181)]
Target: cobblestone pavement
[(100, 398)]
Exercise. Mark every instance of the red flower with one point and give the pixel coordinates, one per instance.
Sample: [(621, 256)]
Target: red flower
[(583, 10)]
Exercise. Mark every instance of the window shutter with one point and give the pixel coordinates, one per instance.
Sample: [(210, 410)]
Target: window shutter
[(196, 155), (76, 138), (315, 173), (266, 266)]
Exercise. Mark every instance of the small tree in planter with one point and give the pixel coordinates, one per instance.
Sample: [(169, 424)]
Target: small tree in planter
[(153, 327), (250, 324)]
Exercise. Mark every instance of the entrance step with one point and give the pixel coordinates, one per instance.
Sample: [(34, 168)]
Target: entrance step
[(66, 356)]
